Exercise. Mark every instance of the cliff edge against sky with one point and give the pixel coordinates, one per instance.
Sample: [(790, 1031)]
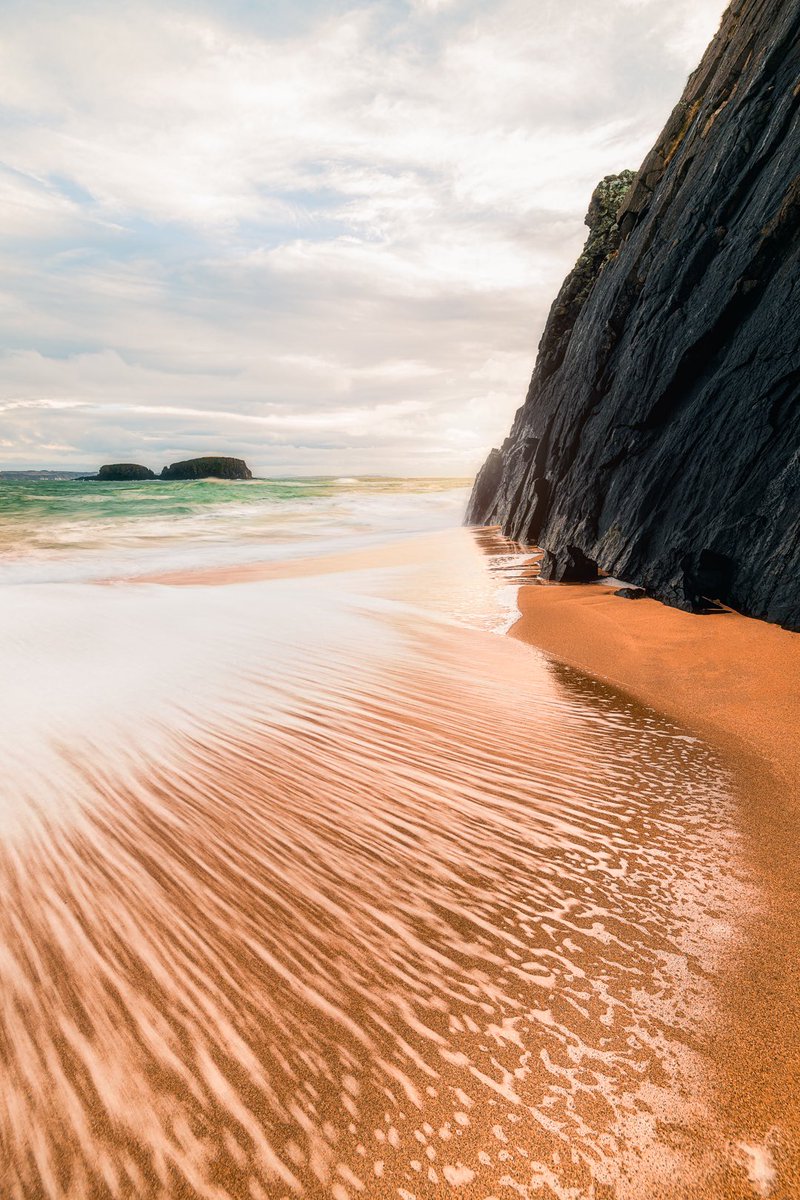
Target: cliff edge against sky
[(660, 437)]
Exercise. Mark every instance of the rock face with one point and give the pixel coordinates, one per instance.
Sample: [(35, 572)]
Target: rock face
[(660, 438), (204, 468), (123, 473)]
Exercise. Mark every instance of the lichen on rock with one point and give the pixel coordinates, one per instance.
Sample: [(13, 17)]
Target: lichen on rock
[(601, 245)]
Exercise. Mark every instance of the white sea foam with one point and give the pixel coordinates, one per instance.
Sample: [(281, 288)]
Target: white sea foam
[(760, 1167), (67, 531)]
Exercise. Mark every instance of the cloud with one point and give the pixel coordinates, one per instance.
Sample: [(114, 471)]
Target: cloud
[(331, 232)]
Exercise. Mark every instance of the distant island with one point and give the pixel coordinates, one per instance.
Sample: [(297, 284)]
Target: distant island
[(121, 473), (210, 467)]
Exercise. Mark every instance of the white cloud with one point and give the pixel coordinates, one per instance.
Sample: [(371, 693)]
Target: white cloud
[(208, 217)]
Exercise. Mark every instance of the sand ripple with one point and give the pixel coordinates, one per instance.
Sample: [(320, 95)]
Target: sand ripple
[(407, 914)]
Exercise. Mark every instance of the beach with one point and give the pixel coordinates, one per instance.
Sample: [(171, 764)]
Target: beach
[(346, 854), (321, 885), (738, 682)]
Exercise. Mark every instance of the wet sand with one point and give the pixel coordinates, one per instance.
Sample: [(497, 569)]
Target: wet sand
[(312, 892), (737, 681), (421, 551)]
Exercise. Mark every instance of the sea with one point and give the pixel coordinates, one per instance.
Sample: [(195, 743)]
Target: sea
[(63, 528)]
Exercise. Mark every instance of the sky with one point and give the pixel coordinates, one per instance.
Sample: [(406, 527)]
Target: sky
[(322, 236)]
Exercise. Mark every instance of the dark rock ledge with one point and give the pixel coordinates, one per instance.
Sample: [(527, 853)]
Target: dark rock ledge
[(660, 437)]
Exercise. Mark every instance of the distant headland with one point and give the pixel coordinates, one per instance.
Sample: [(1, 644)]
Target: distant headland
[(212, 467)]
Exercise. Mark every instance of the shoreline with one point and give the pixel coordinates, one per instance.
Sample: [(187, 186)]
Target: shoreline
[(735, 681), (351, 869), (549, 871)]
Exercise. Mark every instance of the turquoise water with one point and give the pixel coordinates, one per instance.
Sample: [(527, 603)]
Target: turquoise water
[(65, 529)]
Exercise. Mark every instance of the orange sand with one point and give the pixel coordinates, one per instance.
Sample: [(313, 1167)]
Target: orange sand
[(736, 681), (418, 551), (353, 903)]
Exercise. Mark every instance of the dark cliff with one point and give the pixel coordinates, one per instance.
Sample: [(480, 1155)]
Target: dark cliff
[(660, 437)]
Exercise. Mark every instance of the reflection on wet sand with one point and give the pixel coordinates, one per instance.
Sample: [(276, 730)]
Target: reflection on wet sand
[(409, 913)]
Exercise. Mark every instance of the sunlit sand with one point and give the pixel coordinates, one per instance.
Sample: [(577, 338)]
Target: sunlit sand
[(317, 887)]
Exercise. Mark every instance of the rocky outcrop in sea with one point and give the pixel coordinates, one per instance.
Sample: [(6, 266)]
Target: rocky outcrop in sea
[(206, 468), (123, 473), (660, 437), (216, 467)]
